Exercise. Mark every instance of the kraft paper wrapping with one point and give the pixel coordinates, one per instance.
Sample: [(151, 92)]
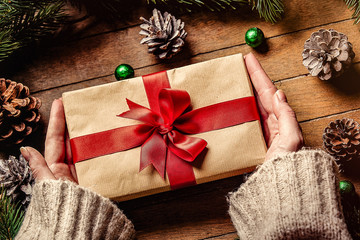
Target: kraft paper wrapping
[(230, 151)]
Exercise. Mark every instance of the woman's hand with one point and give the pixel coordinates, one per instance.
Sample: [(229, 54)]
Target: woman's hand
[(281, 129), (58, 160)]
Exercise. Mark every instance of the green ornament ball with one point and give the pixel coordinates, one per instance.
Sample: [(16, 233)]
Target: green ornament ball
[(124, 71), (346, 187), (254, 37)]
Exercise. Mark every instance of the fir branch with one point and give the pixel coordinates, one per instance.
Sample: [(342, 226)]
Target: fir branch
[(22, 22), (11, 216), (354, 5), (270, 10)]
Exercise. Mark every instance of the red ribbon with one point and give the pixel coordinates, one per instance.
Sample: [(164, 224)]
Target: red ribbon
[(163, 136)]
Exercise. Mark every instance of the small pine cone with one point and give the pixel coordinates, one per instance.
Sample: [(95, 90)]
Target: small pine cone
[(19, 112), (342, 140), (17, 178), (164, 34), (327, 54)]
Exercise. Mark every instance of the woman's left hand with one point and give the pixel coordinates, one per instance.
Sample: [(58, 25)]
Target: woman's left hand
[(57, 163)]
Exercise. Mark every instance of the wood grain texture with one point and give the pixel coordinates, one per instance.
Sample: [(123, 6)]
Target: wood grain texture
[(311, 98), (205, 217), (89, 58), (98, 56)]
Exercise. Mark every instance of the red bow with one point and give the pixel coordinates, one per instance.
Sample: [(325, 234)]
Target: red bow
[(161, 136), (165, 130)]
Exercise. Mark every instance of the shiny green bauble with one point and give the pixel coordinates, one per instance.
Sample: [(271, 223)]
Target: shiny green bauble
[(346, 187), (124, 71), (254, 37)]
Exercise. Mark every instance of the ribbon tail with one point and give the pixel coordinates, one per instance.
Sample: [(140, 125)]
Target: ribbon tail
[(153, 151), (180, 172), (185, 147)]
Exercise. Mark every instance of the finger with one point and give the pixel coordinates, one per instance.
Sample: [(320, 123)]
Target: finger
[(69, 158), (55, 137), (68, 153), (37, 163), (289, 130), (264, 88)]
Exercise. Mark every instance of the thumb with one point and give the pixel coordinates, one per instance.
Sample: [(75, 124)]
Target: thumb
[(37, 163), (289, 130)]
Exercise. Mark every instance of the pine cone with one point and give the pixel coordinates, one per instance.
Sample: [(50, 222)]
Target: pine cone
[(327, 53), (342, 140), (19, 112), (164, 35), (16, 177)]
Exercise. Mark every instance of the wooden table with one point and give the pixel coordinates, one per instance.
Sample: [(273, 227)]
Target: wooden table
[(90, 57)]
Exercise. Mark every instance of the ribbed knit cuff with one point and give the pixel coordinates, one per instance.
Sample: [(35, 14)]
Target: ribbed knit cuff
[(289, 197), (63, 210)]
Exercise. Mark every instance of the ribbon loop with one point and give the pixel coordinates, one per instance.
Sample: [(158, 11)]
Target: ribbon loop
[(172, 104)]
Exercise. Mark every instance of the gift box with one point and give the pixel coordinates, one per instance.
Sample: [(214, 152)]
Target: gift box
[(166, 130)]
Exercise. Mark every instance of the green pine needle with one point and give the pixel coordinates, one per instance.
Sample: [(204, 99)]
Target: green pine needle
[(354, 5), (22, 22), (11, 216), (270, 10)]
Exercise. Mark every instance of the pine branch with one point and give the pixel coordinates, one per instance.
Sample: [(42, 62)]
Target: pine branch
[(270, 10), (354, 5), (11, 216), (23, 22)]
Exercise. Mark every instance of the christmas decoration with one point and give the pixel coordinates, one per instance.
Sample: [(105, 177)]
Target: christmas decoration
[(346, 187), (17, 178), (164, 34), (342, 140), (11, 216), (23, 22), (254, 37), (19, 112), (124, 71), (327, 53)]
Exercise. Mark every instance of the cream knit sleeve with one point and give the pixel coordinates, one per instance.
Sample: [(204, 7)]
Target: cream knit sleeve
[(293, 196), (63, 210)]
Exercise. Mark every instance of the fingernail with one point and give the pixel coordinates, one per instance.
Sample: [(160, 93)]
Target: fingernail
[(25, 152), (281, 96)]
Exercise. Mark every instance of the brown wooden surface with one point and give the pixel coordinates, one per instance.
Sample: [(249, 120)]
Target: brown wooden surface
[(89, 58)]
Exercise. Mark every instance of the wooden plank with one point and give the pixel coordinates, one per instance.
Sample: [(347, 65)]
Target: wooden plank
[(314, 129), (228, 20), (311, 98), (175, 218), (99, 55), (228, 236)]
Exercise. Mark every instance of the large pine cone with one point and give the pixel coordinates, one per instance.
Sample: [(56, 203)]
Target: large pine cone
[(327, 53), (342, 140), (17, 178), (164, 35), (19, 112)]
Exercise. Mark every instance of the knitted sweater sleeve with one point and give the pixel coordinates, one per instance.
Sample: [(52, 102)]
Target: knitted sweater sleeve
[(64, 210), (293, 196)]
